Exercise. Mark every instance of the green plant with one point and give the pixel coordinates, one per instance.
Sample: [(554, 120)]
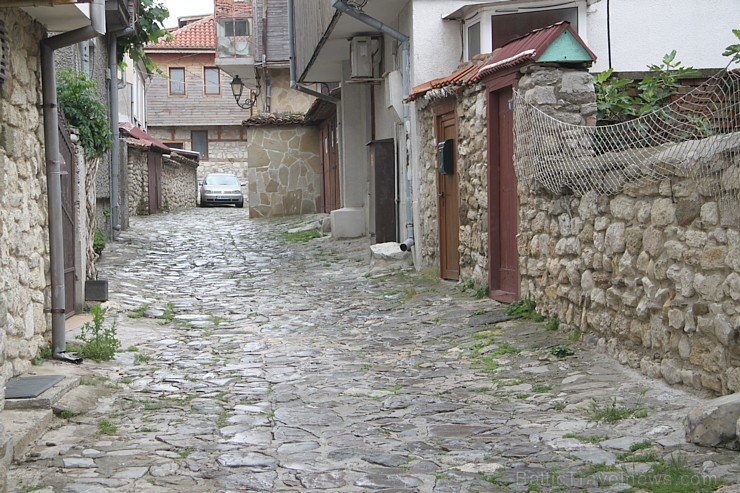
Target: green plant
[(733, 50), (107, 212), (673, 477), (78, 97), (553, 324), (481, 292), (558, 405), (587, 439), (98, 241), (562, 351), (613, 101), (106, 427), (506, 348), (99, 343), (141, 359), (67, 414), (149, 28), (302, 236), (524, 308), (541, 388), (611, 412), (574, 335)]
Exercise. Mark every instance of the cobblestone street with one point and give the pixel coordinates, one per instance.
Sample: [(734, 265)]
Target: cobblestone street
[(252, 361)]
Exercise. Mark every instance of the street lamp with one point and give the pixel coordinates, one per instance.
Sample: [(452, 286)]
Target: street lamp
[(237, 87)]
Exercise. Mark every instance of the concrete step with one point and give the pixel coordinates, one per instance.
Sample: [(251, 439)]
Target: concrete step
[(24, 427), (46, 399)]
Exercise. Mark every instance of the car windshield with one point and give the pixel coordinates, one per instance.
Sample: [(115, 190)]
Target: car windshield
[(221, 180)]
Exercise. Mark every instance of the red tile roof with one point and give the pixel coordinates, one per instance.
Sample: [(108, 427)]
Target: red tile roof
[(142, 137), (200, 34), (515, 53), (276, 119)]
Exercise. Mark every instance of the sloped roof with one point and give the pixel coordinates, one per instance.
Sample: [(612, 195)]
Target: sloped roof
[(200, 34), (142, 137), (518, 52), (265, 119)]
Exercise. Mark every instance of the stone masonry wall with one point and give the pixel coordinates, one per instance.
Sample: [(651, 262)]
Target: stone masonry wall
[(284, 171), (651, 275), (179, 183), (24, 244), (138, 180), (472, 172)]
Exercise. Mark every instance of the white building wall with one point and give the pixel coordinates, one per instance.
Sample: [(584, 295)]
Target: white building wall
[(643, 31)]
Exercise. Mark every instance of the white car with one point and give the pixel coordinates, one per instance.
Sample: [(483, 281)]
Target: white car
[(221, 188)]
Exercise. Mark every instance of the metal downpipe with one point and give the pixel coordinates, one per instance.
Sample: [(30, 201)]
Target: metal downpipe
[(291, 44), (115, 157), (342, 6), (53, 168)]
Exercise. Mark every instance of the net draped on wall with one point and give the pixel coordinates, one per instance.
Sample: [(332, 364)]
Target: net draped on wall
[(696, 136)]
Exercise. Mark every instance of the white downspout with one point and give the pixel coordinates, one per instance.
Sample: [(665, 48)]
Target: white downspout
[(342, 6), (53, 168)]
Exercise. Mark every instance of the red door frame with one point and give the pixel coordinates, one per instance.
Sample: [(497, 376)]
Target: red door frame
[(497, 291)]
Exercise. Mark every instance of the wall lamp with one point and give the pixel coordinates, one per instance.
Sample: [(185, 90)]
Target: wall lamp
[(237, 88)]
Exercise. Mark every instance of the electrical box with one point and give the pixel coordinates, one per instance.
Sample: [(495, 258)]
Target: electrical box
[(446, 157), (361, 57)]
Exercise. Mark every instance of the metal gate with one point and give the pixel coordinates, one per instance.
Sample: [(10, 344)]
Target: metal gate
[(69, 225)]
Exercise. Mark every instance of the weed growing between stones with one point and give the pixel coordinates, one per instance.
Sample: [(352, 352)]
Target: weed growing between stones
[(67, 414), (562, 351), (301, 237), (141, 359), (168, 315), (673, 477), (106, 427), (43, 355), (138, 312), (553, 324), (611, 412), (99, 343), (524, 308), (587, 439)]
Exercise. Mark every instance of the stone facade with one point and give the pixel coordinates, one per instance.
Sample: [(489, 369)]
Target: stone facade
[(650, 275), (24, 243), (284, 171), (227, 147), (472, 169), (179, 181)]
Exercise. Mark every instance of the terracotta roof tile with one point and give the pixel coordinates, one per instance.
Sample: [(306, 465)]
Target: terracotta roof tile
[(142, 137), (276, 119), (196, 35)]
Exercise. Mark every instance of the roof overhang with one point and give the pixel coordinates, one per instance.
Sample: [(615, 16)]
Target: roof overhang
[(504, 7), (326, 65), (59, 16)]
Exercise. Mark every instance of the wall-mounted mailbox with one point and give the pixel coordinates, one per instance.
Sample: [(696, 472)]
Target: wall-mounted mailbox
[(446, 157)]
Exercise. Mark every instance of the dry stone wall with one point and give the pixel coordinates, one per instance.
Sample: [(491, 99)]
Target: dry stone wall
[(651, 275), (284, 171), (179, 183)]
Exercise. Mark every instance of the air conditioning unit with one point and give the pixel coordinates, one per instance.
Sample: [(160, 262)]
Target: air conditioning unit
[(361, 57)]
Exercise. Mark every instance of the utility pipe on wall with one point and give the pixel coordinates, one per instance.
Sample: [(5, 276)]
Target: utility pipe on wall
[(291, 44), (53, 167), (115, 157), (342, 6)]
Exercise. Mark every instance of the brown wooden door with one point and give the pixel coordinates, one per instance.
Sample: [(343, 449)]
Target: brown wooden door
[(502, 198), (383, 191), (68, 174), (330, 165), (155, 182), (448, 204)]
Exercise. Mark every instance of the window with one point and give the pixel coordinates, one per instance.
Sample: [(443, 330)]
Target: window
[(174, 145), (237, 28), (199, 142), (211, 80), (177, 81), (473, 40), (511, 26)]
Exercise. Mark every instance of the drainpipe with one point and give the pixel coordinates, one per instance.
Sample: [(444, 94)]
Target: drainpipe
[(115, 158), (342, 6), (53, 168), (291, 43)]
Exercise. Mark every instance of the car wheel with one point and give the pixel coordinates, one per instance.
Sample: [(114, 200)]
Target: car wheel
[(240, 205)]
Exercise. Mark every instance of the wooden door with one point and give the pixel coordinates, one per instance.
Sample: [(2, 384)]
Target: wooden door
[(69, 225), (383, 191), (448, 204), (330, 164), (503, 259), (155, 182)]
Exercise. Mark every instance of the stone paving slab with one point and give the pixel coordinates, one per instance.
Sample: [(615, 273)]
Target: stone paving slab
[(251, 362)]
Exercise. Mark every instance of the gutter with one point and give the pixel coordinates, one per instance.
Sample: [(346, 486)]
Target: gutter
[(342, 6), (53, 168), (291, 44), (115, 157)]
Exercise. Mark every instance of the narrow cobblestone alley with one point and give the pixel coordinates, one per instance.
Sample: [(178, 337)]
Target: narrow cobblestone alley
[(251, 361)]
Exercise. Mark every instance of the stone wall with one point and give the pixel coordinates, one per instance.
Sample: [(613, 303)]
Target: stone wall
[(472, 171), (652, 274), (284, 171), (179, 183), (24, 245)]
